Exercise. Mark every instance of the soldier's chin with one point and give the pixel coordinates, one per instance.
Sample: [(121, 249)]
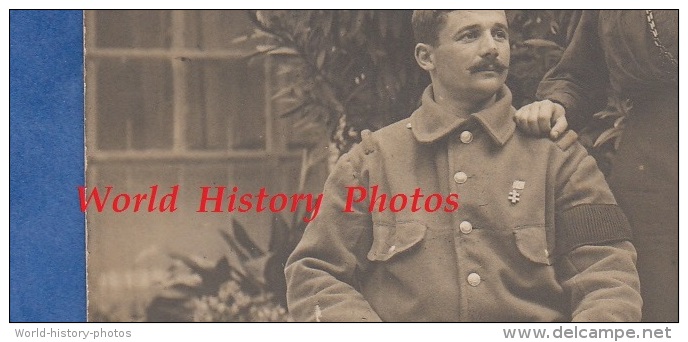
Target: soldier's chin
[(489, 86)]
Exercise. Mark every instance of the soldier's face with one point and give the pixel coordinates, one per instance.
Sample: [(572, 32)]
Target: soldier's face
[(472, 56)]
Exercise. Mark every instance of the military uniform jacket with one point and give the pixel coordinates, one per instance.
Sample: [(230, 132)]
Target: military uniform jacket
[(537, 235)]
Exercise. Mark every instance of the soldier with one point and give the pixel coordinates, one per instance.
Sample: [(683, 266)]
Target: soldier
[(537, 235), (632, 53)]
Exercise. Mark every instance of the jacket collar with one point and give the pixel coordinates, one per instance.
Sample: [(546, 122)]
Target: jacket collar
[(430, 122)]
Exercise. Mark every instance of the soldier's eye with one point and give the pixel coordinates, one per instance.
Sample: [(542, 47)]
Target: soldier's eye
[(501, 34), (469, 35)]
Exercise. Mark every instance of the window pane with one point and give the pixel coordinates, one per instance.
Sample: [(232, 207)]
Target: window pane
[(207, 30), (127, 29), (226, 105), (134, 103)]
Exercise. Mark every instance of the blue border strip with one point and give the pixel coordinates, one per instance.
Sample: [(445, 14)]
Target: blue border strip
[(47, 235)]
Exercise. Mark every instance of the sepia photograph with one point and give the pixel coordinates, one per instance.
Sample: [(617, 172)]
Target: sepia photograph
[(381, 165)]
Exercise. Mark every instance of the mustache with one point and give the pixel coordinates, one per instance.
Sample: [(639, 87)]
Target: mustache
[(488, 64)]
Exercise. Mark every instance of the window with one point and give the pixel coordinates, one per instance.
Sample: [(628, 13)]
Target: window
[(171, 100)]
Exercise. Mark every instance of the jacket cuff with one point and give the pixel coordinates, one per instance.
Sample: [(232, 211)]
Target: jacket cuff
[(590, 224)]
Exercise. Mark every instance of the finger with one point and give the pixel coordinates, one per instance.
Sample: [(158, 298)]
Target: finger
[(559, 127), (558, 111), (545, 117), (533, 119), (522, 113), (521, 118), (560, 122)]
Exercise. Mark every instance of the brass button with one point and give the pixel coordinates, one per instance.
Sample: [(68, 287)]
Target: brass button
[(465, 227), (460, 177), (473, 279), (466, 137)]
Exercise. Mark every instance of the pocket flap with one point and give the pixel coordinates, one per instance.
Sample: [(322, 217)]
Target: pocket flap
[(532, 243), (390, 240)]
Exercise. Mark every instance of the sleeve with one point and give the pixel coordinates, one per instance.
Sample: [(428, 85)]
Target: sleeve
[(597, 265), (580, 80), (321, 272)]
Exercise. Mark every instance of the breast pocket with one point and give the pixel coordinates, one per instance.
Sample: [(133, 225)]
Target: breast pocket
[(531, 241), (392, 240)]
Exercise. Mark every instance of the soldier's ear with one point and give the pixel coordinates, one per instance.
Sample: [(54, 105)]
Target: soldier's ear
[(424, 56)]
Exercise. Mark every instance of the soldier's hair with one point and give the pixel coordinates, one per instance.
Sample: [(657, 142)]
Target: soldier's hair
[(427, 25)]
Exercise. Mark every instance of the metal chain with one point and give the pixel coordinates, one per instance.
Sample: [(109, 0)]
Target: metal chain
[(655, 37)]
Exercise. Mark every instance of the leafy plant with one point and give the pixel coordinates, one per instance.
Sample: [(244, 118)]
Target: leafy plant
[(538, 39), (530, 60), (347, 69), (603, 134), (250, 287)]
